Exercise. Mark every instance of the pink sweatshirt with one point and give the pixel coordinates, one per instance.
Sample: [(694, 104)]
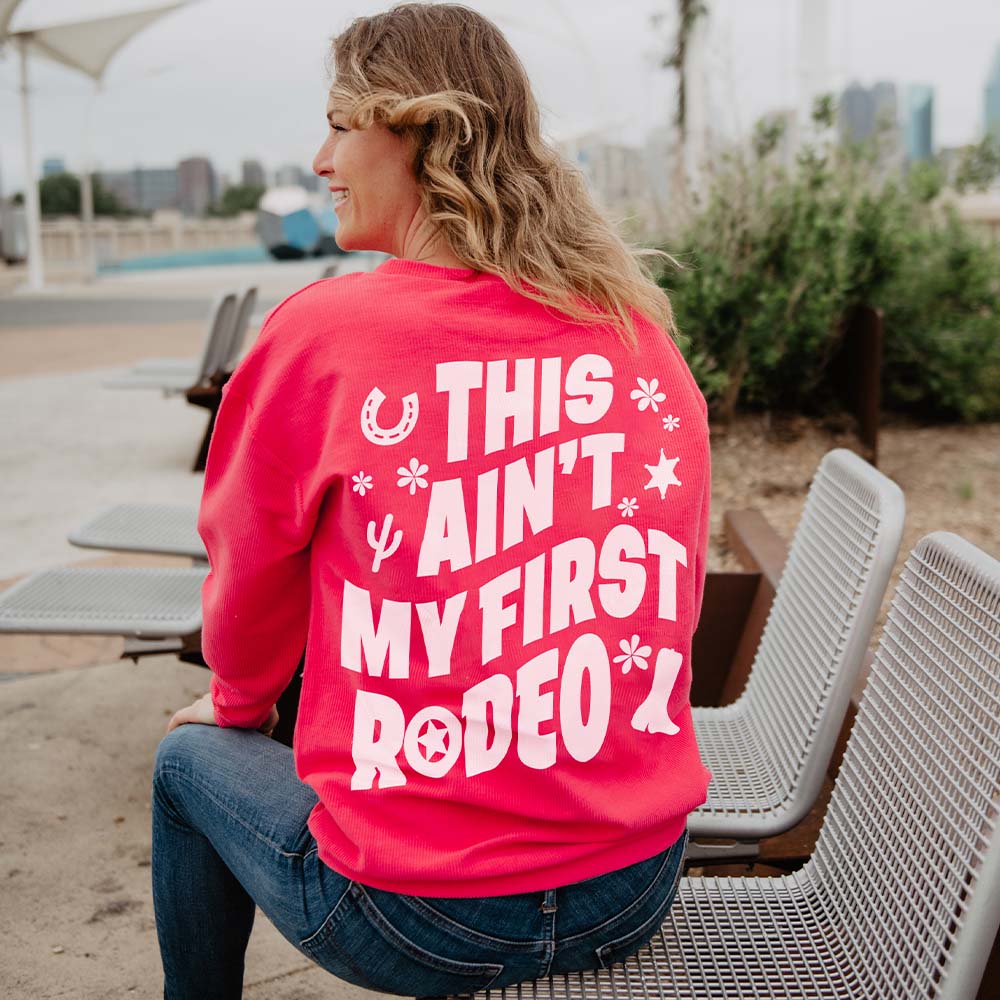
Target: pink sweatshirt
[(487, 527)]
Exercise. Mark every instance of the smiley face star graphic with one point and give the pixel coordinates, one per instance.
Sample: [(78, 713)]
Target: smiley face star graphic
[(662, 475)]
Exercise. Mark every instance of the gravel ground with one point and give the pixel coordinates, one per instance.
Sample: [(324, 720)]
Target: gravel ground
[(950, 475)]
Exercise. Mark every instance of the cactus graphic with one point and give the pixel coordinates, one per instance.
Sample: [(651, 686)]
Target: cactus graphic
[(381, 544)]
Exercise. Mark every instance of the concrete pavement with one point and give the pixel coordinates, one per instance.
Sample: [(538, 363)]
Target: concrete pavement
[(78, 727)]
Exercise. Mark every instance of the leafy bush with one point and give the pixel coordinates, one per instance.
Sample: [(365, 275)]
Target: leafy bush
[(238, 198), (777, 256), (942, 322), (59, 194)]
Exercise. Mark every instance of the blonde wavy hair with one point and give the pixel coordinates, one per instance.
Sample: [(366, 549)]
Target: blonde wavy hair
[(445, 78)]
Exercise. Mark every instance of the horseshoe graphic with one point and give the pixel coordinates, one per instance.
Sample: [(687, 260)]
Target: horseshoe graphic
[(393, 435)]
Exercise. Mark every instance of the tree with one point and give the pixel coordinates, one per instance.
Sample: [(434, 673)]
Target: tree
[(238, 198), (979, 165), (59, 194), (688, 13)]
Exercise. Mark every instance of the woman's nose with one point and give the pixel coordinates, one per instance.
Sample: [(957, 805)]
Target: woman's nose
[(321, 161)]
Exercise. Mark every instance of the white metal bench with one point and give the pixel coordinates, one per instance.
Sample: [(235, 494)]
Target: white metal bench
[(167, 529), (769, 750), (901, 898), (141, 603)]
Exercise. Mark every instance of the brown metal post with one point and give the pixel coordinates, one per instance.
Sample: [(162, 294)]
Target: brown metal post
[(759, 548), (208, 397), (725, 607), (856, 372)]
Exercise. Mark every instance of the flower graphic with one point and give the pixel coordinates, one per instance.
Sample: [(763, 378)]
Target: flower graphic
[(671, 423), (633, 654), (629, 507), (647, 394), (413, 476), (362, 483)]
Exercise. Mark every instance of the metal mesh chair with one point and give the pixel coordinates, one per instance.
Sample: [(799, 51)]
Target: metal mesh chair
[(238, 335), (901, 898), (174, 375), (152, 603), (225, 358), (170, 529), (769, 750)]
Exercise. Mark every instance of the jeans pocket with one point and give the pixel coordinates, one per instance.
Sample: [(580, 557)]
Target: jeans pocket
[(628, 941), (358, 944)]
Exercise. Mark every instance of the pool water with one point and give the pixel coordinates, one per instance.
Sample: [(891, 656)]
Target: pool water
[(191, 258)]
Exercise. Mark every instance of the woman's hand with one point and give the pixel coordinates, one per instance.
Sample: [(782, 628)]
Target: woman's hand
[(202, 712)]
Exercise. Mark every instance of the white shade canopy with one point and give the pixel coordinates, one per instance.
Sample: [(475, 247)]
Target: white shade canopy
[(88, 46), (6, 13)]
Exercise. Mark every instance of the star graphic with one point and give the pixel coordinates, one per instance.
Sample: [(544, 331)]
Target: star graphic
[(662, 474), (433, 740)]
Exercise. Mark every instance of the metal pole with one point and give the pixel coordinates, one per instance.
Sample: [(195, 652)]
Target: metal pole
[(87, 197), (32, 210), (87, 219)]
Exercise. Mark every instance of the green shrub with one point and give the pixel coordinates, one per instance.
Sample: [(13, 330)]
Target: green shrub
[(775, 258), (942, 321)]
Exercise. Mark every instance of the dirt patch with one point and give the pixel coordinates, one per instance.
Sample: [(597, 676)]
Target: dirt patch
[(950, 476)]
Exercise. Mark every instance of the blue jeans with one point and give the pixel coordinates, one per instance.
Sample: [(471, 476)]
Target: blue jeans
[(229, 832)]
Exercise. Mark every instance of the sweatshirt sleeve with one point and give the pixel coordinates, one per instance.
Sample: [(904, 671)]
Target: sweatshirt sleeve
[(255, 601)]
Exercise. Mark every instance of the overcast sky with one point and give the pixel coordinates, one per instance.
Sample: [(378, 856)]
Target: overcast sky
[(233, 79)]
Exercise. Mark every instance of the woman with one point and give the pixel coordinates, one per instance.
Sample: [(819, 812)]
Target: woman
[(473, 485)]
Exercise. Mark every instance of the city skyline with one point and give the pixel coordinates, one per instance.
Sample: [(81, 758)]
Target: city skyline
[(593, 72)]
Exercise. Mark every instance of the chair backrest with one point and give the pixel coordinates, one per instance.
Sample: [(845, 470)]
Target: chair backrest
[(908, 856), (821, 622), (239, 330), (219, 333)]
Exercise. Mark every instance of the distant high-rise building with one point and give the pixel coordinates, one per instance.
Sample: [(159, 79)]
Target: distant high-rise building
[(918, 123), (53, 165), (856, 114), (290, 175), (157, 187), (865, 111), (886, 106), (991, 98), (143, 189), (196, 187), (252, 173)]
